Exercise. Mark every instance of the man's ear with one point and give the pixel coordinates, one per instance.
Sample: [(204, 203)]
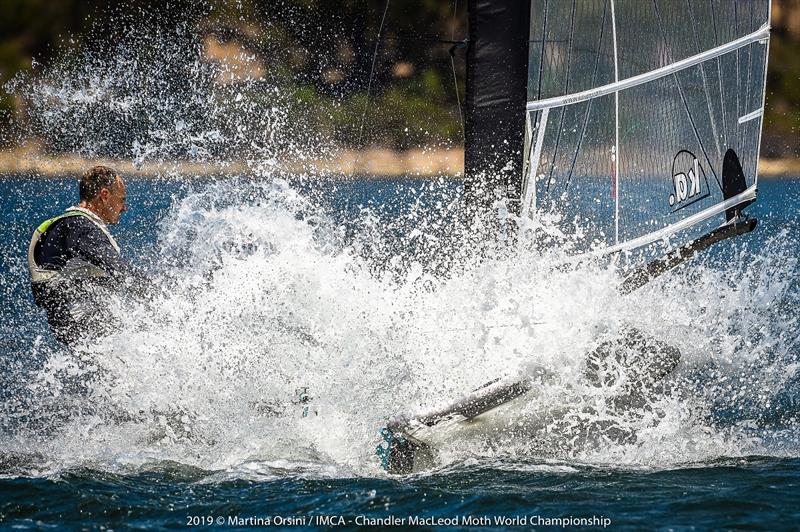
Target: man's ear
[(104, 193)]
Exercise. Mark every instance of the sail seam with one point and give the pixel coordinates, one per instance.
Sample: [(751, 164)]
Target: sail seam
[(738, 74), (541, 56), (749, 75), (711, 117), (558, 101)]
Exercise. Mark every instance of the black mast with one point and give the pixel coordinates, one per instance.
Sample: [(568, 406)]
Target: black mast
[(497, 91)]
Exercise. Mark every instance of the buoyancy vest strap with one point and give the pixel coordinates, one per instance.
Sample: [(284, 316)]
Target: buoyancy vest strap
[(83, 270), (44, 226), (96, 221)]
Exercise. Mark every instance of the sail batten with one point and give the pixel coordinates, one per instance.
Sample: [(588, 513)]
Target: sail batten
[(530, 192), (759, 35), (748, 195)]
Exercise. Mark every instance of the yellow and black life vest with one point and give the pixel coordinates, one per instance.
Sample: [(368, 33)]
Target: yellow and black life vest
[(75, 268)]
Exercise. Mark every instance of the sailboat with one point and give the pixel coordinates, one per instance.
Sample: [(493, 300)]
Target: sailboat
[(638, 122)]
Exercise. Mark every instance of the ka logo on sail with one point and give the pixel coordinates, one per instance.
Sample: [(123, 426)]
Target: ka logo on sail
[(688, 179)]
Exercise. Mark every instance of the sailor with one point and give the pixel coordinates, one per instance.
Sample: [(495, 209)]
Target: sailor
[(75, 263)]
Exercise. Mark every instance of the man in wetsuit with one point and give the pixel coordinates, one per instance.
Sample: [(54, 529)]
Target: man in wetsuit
[(75, 263)]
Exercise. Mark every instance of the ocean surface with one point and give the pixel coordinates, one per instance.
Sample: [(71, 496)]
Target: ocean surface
[(187, 414)]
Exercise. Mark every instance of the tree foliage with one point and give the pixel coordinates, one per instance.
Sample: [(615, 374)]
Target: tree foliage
[(322, 51)]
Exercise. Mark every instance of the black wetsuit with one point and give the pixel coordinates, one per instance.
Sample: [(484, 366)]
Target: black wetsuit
[(75, 306)]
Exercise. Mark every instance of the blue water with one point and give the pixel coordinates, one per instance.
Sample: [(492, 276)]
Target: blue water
[(41, 489)]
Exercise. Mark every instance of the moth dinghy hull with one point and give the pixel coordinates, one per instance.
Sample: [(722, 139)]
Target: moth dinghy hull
[(511, 408)]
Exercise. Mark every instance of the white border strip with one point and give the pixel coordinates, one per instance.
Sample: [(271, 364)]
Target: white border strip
[(530, 192), (758, 35), (751, 116), (664, 232)]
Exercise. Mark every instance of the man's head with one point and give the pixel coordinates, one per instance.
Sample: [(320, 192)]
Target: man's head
[(103, 192)]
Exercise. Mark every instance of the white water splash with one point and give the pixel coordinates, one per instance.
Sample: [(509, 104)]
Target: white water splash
[(262, 295), (270, 300)]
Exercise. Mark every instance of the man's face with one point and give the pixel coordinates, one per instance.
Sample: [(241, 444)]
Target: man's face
[(113, 201)]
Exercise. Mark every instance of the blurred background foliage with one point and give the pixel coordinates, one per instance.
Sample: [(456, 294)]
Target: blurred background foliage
[(321, 51), (781, 137)]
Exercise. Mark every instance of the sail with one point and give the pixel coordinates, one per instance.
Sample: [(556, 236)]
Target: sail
[(643, 116)]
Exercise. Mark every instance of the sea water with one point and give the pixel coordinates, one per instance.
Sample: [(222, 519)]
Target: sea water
[(189, 413), (295, 313)]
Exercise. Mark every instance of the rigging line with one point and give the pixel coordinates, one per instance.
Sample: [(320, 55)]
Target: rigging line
[(683, 98), (539, 89), (616, 159), (694, 128), (426, 39), (589, 106), (541, 56), (369, 83), (453, 67), (566, 90)]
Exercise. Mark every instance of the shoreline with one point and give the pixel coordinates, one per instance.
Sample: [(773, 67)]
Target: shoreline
[(377, 163)]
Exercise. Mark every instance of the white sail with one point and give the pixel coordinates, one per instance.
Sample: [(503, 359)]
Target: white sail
[(633, 106)]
